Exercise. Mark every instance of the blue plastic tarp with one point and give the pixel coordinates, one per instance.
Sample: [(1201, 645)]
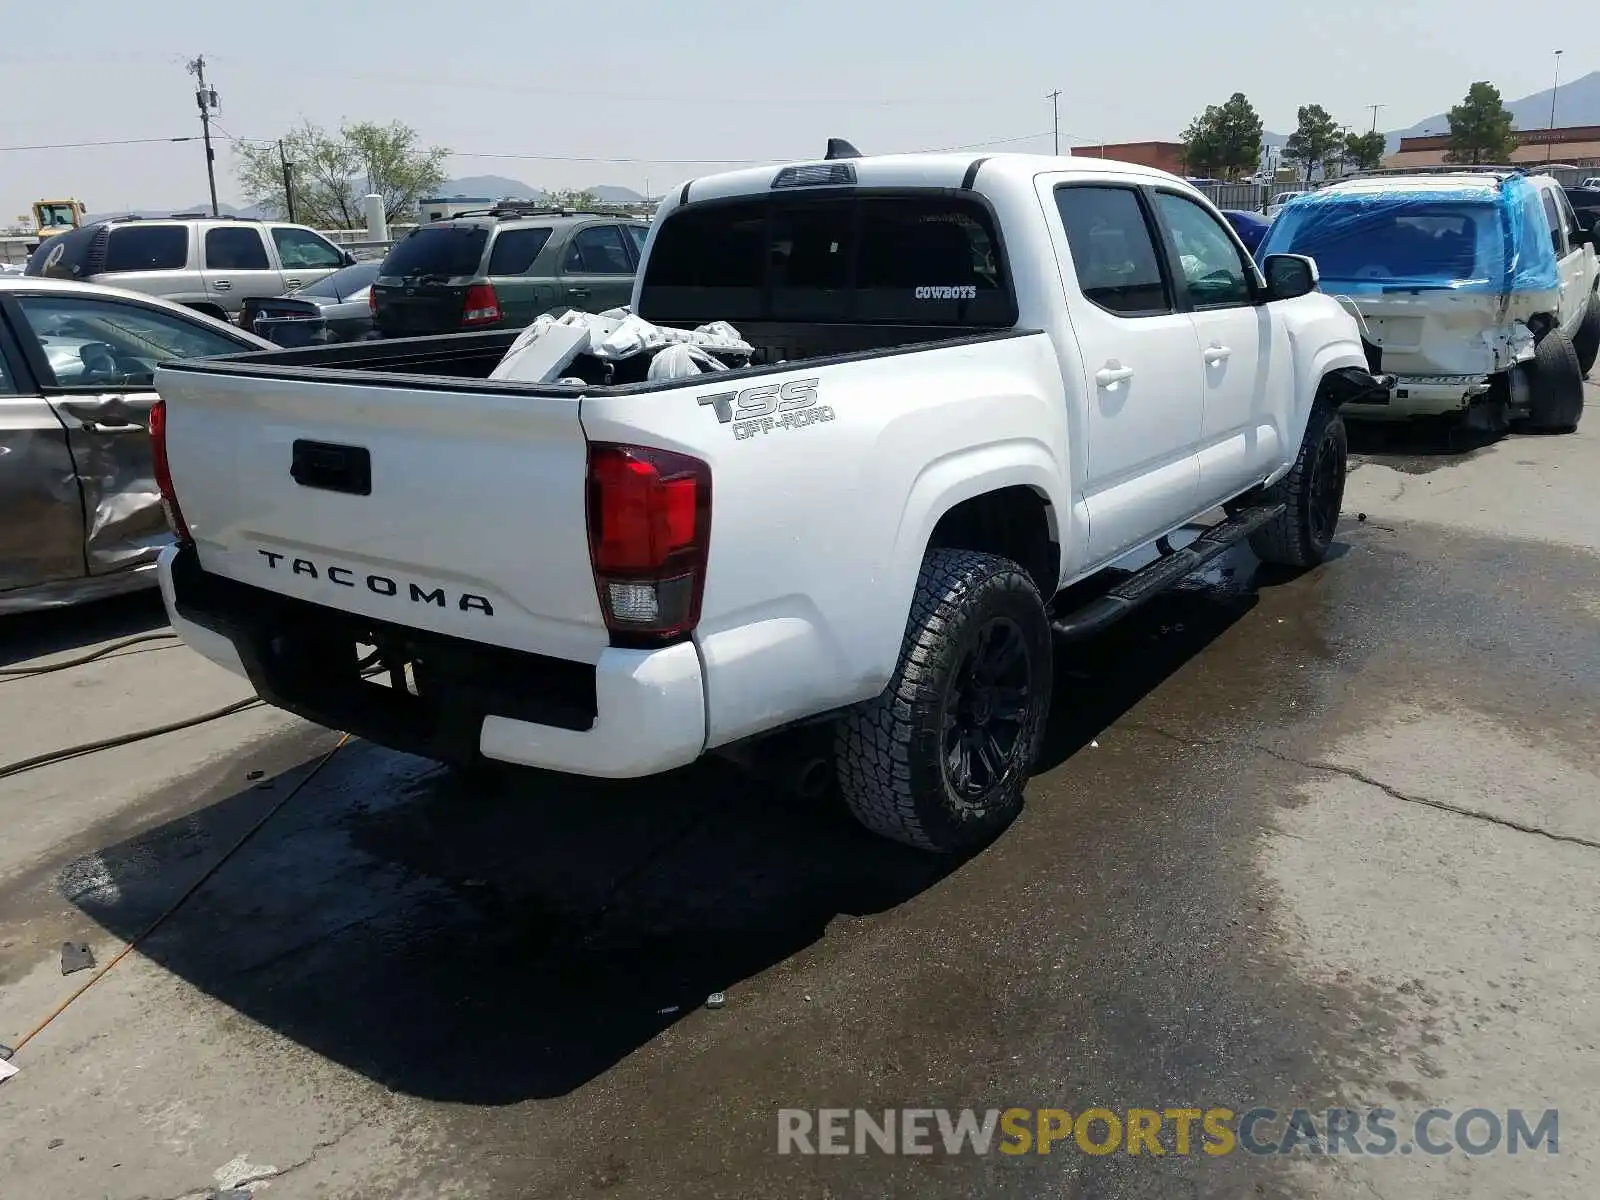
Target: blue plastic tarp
[(1490, 237)]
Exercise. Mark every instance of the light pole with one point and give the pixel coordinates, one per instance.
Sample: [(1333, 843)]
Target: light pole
[(1550, 146)]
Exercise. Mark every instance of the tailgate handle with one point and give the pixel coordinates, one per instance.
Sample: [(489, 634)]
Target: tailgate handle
[(332, 468)]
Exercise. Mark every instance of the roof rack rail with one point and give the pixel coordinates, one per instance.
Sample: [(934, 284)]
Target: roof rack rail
[(1443, 169)]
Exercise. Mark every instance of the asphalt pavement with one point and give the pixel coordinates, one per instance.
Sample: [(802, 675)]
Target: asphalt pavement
[(1299, 842)]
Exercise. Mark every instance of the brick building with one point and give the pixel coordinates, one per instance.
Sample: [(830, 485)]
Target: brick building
[(1575, 145), (1164, 156)]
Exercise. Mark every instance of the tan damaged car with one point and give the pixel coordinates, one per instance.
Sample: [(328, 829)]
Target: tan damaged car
[(83, 517)]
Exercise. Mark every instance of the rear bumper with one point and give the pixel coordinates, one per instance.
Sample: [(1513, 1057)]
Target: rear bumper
[(633, 713), (1423, 395)]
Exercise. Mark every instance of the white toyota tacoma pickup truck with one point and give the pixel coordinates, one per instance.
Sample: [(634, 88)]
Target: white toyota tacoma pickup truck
[(977, 382)]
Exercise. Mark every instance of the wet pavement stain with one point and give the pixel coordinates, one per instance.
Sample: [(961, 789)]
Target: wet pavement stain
[(503, 943)]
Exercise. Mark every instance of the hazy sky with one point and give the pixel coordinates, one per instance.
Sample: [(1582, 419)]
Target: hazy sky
[(698, 79)]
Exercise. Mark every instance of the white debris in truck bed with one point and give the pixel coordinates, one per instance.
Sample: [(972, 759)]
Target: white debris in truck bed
[(545, 350)]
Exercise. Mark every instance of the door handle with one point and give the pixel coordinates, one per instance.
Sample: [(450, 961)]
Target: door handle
[(221, 285), (578, 292), (1112, 374), (112, 427), (1216, 354)]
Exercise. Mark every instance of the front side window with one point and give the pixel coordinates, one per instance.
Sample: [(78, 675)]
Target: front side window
[(1213, 268), (146, 248), (303, 250), (235, 250), (1113, 250), (90, 342)]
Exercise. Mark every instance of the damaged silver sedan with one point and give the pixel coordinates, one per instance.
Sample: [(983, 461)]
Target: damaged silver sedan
[(82, 517)]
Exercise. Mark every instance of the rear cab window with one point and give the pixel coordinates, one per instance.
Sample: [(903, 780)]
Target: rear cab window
[(445, 251), (904, 258)]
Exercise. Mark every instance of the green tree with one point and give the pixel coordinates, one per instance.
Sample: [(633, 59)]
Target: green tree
[(333, 171), (1225, 138), (579, 201), (1316, 139), (1480, 128), (1364, 151)]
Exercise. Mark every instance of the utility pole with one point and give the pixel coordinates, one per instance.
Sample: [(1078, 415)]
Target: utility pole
[(1375, 108), (206, 98), (1550, 145), (1055, 116), (288, 180)]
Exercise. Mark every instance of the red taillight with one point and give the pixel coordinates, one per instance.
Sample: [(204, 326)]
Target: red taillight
[(482, 306), (158, 452), (649, 532), (372, 300)]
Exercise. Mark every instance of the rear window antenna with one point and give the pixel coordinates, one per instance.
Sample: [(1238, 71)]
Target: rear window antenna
[(839, 148)]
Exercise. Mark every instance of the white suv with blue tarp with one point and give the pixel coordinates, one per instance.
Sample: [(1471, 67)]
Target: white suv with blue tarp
[(1475, 289)]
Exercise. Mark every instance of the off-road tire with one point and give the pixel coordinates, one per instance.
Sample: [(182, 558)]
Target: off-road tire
[(1557, 386), (890, 752), (1586, 342), (1301, 535)]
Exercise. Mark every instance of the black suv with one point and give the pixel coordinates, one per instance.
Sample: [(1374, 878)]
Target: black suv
[(504, 267)]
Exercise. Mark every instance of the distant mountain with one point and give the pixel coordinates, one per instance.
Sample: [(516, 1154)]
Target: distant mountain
[(1577, 103), (498, 187)]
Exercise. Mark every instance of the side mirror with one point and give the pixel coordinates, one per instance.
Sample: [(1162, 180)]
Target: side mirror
[(349, 259), (1289, 275)]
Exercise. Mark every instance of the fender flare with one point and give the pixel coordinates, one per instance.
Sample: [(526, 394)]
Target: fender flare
[(956, 477)]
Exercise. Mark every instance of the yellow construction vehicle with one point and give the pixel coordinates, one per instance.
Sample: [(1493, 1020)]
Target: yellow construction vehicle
[(57, 216)]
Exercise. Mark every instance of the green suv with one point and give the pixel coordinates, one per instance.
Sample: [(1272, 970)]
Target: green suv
[(505, 266)]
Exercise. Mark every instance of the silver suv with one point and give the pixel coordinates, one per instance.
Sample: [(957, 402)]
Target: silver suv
[(210, 264)]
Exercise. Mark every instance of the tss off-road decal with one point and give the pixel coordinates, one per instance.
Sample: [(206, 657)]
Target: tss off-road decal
[(769, 406)]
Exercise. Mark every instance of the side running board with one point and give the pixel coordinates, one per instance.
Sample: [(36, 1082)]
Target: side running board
[(1161, 574)]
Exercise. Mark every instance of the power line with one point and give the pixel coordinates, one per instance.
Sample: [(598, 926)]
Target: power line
[(86, 145)]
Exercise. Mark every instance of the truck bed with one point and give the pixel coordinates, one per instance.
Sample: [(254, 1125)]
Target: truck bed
[(454, 360)]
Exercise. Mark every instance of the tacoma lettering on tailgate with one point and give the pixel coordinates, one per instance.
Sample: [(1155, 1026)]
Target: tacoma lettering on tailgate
[(378, 585)]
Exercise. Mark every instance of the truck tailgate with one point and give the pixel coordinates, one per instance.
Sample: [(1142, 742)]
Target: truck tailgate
[(457, 512)]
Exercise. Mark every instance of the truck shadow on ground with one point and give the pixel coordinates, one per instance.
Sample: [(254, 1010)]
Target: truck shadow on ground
[(29, 635), (497, 936)]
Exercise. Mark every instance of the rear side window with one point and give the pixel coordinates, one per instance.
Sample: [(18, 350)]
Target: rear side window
[(236, 250), (442, 250), (907, 259), (515, 249), (1552, 216), (147, 248), (638, 233), (1113, 252)]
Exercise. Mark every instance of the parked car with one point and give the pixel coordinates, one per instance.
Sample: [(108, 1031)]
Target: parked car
[(1277, 203), (82, 513), (1585, 203), (209, 264), (504, 267), (1592, 181), (856, 538), (1477, 290), (1250, 226), (337, 308)]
